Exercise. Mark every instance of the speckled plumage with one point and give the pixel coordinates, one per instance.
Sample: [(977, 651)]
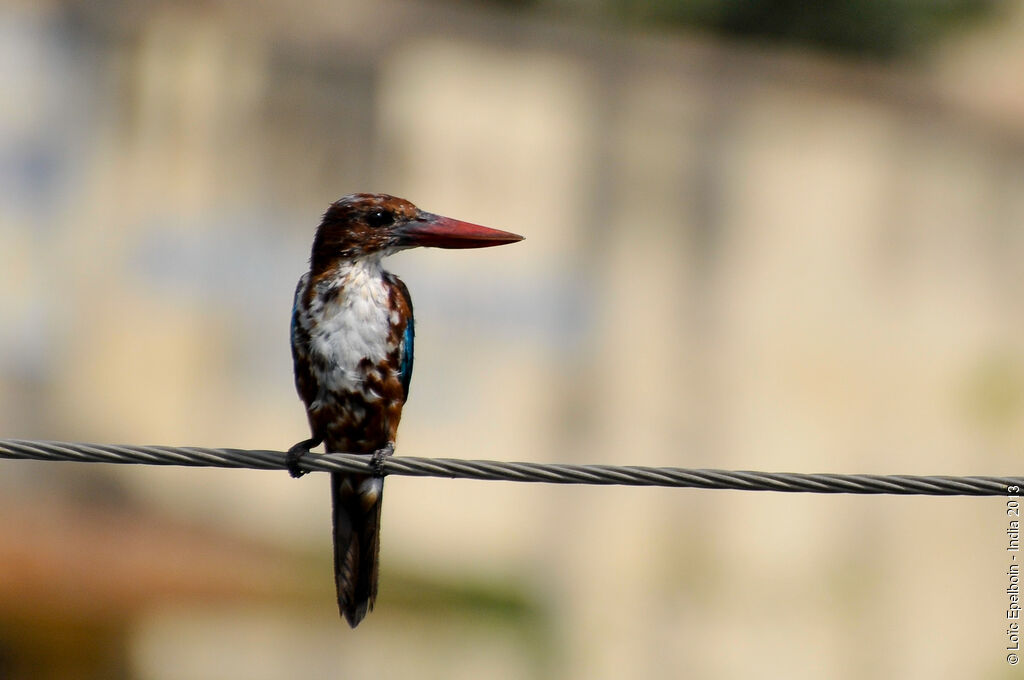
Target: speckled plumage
[(352, 347)]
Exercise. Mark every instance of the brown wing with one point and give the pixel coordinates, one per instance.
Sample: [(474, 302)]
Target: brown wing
[(403, 302), (305, 382)]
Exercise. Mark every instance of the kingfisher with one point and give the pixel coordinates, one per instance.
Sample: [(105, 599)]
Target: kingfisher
[(352, 346)]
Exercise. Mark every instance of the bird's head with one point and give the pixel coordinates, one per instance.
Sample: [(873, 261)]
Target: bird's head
[(361, 225)]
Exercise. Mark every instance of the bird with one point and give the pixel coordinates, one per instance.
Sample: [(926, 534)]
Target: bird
[(352, 335)]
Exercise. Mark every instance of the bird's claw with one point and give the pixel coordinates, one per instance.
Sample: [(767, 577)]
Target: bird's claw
[(293, 458), (377, 461)]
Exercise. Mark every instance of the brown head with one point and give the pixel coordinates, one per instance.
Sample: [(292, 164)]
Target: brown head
[(359, 225)]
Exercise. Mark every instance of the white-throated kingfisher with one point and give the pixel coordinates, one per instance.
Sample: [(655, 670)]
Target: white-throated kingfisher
[(352, 346)]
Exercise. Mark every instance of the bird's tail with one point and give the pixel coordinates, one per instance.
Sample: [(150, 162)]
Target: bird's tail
[(356, 502)]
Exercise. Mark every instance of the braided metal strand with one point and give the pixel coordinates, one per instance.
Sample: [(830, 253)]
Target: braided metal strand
[(628, 475)]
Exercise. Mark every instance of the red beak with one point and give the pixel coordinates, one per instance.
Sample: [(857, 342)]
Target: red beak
[(435, 231)]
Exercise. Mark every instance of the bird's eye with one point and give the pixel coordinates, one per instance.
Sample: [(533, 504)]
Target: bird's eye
[(380, 218)]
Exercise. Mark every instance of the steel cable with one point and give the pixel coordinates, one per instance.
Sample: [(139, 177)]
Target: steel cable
[(552, 473)]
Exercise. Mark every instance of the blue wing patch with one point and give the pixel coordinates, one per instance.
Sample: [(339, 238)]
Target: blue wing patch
[(405, 367)]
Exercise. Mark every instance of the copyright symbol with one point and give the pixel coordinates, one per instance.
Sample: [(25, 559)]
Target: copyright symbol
[(1011, 659)]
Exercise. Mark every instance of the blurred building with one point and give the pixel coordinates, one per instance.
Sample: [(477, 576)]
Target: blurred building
[(737, 256)]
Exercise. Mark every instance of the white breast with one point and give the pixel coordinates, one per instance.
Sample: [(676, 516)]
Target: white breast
[(352, 325)]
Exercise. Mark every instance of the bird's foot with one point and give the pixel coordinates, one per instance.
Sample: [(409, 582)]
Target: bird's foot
[(295, 455), (377, 461)]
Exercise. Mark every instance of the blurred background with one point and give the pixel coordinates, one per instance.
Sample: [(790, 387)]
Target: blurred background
[(760, 235)]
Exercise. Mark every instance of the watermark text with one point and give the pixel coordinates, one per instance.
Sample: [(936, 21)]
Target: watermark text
[(1013, 610)]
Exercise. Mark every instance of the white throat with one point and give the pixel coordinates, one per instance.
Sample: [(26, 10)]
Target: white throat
[(350, 321)]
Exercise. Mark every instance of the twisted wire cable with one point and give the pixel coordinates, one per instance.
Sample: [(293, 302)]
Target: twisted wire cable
[(560, 473)]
